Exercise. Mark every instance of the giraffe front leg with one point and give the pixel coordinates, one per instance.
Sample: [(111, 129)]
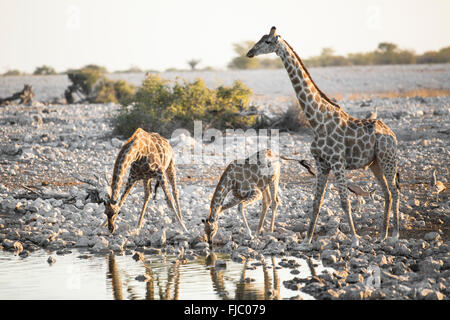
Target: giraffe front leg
[(251, 197), (339, 172), (130, 184), (321, 183)]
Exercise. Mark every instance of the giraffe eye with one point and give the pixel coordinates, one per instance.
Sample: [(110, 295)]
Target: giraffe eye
[(268, 42)]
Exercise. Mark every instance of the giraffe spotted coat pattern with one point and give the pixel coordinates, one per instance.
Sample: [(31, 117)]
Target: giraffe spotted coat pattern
[(340, 141), (249, 180), (147, 156)]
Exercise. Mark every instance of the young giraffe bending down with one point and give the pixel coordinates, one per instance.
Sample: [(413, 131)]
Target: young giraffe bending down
[(340, 141), (148, 155), (249, 180)]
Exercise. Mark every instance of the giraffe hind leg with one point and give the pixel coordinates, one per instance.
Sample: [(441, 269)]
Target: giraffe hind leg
[(266, 201), (169, 199), (339, 172), (147, 195), (275, 201), (379, 175), (321, 183), (171, 175)]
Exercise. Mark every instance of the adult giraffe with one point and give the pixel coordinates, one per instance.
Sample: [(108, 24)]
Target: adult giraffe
[(341, 142)]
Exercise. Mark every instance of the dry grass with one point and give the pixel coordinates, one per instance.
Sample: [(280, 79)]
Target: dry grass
[(293, 119), (424, 93)]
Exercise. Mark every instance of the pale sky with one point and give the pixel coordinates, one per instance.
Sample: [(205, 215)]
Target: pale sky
[(154, 34)]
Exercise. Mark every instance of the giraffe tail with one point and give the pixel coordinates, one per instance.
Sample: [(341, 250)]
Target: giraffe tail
[(303, 162)]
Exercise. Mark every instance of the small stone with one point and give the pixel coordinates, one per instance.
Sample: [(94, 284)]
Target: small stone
[(138, 256), (429, 265), (221, 264), (330, 256), (429, 294), (18, 248), (152, 251), (432, 236), (51, 260), (143, 278), (201, 245), (24, 254), (354, 278), (340, 274), (332, 294), (158, 238), (249, 280)]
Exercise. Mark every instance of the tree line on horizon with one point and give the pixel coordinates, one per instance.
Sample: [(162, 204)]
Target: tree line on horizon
[(386, 53)]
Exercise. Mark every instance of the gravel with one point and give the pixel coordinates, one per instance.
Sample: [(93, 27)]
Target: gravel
[(43, 146)]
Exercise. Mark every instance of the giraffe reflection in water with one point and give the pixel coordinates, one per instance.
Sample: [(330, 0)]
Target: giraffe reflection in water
[(245, 288), (152, 280), (157, 289)]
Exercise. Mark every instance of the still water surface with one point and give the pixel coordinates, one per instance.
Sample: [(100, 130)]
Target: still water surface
[(81, 275)]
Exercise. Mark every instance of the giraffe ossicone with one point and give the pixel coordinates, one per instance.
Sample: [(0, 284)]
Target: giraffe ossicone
[(340, 141)]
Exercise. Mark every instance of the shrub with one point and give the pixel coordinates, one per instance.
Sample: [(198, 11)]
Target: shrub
[(161, 107), (91, 85), (14, 72), (293, 119), (44, 70)]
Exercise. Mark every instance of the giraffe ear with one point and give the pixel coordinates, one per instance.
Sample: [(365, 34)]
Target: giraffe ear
[(272, 31)]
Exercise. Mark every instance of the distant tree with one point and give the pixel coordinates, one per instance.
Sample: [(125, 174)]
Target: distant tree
[(95, 67), (193, 63), (386, 47), (14, 72), (441, 56), (242, 62), (132, 69), (44, 70)]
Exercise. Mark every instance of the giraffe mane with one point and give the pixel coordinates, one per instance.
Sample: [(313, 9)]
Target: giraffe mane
[(322, 94), (118, 164), (219, 184)]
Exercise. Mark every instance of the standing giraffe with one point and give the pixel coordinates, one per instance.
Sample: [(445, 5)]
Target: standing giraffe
[(148, 155), (340, 141), (249, 180)]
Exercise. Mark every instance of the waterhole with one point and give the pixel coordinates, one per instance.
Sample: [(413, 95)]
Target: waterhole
[(82, 275)]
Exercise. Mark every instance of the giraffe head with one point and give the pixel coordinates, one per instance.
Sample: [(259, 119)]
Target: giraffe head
[(211, 225), (111, 211), (267, 44)]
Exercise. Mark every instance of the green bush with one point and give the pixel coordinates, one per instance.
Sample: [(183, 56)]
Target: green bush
[(161, 107), (14, 72), (44, 70), (91, 84)]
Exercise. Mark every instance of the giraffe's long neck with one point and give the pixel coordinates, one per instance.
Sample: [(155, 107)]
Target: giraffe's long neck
[(125, 158), (315, 104), (219, 195)]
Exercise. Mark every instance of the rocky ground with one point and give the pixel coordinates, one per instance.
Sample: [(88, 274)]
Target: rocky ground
[(43, 148)]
